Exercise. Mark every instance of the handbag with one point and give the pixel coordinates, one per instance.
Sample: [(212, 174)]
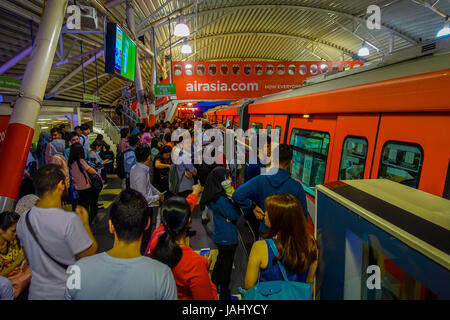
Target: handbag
[(95, 181), (278, 290), (73, 193)]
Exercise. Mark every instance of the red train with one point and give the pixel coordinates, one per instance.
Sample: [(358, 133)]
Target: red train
[(387, 119)]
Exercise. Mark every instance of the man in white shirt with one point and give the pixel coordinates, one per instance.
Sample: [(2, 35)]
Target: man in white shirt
[(140, 181), (57, 238), (122, 273)]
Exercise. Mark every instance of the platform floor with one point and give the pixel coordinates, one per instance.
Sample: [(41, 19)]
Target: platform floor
[(202, 239)]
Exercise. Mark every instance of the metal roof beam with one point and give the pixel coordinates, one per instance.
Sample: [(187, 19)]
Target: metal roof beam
[(347, 15), (272, 34)]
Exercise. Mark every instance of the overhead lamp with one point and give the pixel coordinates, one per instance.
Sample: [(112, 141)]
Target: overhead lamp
[(181, 29), (186, 48), (445, 31), (364, 51)]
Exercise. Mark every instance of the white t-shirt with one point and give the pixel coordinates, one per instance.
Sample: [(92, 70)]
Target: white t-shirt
[(63, 236), (103, 277)]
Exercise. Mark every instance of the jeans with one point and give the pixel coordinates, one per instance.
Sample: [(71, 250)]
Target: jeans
[(221, 274)]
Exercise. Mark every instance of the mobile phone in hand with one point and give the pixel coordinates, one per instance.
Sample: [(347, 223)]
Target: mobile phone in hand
[(205, 252)]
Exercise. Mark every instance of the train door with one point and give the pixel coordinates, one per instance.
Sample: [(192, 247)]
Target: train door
[(414, 149), (312, 140), (353, 147)]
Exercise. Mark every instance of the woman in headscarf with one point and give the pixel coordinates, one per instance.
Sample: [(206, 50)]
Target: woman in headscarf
[(217, 196)]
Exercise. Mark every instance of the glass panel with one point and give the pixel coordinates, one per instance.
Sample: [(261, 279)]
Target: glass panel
[(314, 69), (227, 125), (354, 153), (324, 68), (401, 162), (278, 132), (303, 69), (310, 157)]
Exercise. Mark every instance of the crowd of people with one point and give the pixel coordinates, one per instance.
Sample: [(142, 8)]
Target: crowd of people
[(48, 241)]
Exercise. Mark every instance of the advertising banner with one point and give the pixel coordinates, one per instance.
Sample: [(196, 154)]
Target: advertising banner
[(247, 79)]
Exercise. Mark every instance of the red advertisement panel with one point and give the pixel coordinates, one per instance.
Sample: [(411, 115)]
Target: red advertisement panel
[(246, 79)]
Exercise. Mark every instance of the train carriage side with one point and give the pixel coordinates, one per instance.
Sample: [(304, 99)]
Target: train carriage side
[(393, 127)]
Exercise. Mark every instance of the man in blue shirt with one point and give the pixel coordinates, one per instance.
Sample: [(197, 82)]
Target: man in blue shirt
[(251, 196), (129, 158), (84, 138)]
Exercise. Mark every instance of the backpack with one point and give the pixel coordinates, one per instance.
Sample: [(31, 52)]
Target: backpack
[(174, 179), (120, 164), (278, 290)]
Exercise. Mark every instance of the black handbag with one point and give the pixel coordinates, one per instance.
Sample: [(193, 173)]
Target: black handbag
[(96, 182)]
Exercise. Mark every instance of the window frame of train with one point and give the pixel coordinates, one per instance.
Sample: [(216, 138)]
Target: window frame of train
[(312, 157), (269, 130), (366, 148), (399, 167), (257, 126)]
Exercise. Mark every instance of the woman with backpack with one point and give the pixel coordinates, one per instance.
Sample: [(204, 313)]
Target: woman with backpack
[(297, 249), (217, 196), (79, 170)]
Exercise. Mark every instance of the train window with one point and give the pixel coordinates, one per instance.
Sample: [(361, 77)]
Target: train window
[(224, 69), (303, 69), (269, 130), (269, 69), (235, 69), (278, 132), (346, 67), (291, 69), (259, 69), (201, 70), (189, 69), (310, 157), (281, 69), (228, 123), (353, 161), (212, 69), (313, 69), (256, 126), (401, 162), (324, 68), (335, 67), (177, 70), (247, 69)]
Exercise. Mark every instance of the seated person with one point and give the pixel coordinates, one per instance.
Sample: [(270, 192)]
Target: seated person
[(122, 273), (190, 270), (13, 263)]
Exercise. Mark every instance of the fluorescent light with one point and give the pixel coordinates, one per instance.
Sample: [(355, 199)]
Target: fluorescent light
[(44, 127), (181, 30), (445, 31), (44, 119), (364, 51), (186, 49)]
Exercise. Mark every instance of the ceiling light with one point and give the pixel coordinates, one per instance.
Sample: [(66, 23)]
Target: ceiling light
[(364, 51), (445, 31), (181, 30), (186, 48)]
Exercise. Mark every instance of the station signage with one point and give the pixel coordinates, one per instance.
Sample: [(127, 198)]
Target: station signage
[(91, 98), (165, 89), (9, 83), (247, 79)]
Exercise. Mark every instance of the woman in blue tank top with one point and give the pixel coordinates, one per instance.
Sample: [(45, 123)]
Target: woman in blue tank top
[(297, 249)]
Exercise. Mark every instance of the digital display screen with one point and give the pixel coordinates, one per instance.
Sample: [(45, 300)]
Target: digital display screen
[(120, 53)]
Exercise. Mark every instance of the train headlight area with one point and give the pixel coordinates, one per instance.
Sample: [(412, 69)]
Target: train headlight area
[(358, 90)]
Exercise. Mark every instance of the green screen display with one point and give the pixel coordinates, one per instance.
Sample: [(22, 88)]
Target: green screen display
[(125, 55)]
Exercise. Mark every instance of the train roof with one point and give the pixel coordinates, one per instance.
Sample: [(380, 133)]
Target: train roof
[(414, 80)]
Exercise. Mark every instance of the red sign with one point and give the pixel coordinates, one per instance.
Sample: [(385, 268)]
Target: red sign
[(246, 79)]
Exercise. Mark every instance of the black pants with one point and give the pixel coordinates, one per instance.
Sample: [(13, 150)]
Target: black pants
[(221, 274), (88, 199), (152, 212)]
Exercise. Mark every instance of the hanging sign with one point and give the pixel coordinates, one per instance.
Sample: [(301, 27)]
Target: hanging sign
[(165, 89), (247, 79), (91, 98), (9, 83)]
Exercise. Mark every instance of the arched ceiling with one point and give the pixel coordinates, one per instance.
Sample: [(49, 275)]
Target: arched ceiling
[(220, 30)]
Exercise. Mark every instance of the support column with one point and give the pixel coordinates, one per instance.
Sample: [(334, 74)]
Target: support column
[(15, 149), (140, 93), (151, 117)]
